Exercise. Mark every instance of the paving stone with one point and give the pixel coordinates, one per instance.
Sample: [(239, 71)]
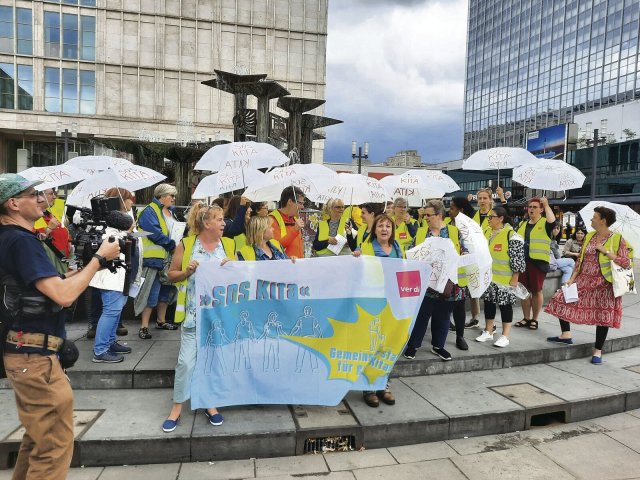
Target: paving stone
[(432, 470), (319, 476), (524, 463), (167, 471), (88, 473), (619, 421), (422, 452), (8, 413), (217, 470), (304, 464), (359, 459), (629, 437), (595, 456)]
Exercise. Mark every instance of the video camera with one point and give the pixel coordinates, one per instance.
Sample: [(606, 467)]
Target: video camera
[(90, 227)]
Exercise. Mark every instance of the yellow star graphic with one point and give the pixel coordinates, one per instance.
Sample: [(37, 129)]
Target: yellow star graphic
[(369, 346)]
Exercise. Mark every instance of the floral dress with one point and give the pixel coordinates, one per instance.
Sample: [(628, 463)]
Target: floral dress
[(596, 304)]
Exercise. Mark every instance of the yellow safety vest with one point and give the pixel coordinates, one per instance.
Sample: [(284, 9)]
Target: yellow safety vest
[(485, 223), (249, 253), (539, 241), (403, 237), (150, 249), (603, 260), (367, 249), (421, 235), (360, 236), (241, 241), (499, 247), (188, 242), (323, 235)]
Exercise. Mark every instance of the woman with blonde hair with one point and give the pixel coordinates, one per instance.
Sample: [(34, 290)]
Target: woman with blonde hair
[(204, 244), (260, 243), (404, 225), (337, 224)]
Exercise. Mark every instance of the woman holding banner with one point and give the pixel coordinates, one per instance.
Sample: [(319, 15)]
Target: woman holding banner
[(382, 244), (368, 214), (437, 307), (205, 244), (260, 243)]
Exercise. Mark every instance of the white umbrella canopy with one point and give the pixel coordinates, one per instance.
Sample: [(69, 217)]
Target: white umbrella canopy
[(131, 178), (414, 195), (54, 176), (627, 222), (354, 189), (427, 179), (498, 158), (312, 179), (97, 163), (553, 175), (241, 155), (226, 181)]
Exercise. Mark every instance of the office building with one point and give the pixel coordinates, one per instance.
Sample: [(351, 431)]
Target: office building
[(537, 63), (132, 70)]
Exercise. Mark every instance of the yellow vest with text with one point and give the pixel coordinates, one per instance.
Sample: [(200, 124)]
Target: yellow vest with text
[(539, 241), (323, 234), (403, 237), (188, 242), (249, 254), (613, 244), (499, 248), (150, 249), (421, 235)]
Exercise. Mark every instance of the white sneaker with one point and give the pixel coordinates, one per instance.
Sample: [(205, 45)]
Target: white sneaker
[(501, 342), (484, 337)]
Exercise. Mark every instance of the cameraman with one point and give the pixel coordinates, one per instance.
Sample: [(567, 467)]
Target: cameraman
[(33, 294)]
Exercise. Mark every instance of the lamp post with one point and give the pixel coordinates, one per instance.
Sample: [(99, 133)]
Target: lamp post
[(594, 162), (66, 135), (356, 152)]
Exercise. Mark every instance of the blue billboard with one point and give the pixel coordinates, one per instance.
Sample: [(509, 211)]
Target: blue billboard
[(550, 142)]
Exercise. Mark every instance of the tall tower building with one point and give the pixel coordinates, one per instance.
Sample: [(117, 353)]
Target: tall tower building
[(132, 70), (537, 63)]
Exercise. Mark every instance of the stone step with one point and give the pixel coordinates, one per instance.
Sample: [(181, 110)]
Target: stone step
[(123, 426)]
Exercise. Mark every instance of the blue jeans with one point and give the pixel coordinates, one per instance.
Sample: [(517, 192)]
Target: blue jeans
[(566, 265), (159, 293), (95, 310), (112, 305), (439, 312)]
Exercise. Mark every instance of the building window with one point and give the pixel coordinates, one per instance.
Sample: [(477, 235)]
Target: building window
[(77, 36), (6, 29), (24, 31), (69, 90), (83, 3), (10, 84)]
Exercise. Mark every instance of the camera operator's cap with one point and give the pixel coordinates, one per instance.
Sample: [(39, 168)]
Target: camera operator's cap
[(11, 184), (164, 189)]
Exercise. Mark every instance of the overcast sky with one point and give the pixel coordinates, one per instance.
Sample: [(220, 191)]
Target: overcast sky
[(395, 76)]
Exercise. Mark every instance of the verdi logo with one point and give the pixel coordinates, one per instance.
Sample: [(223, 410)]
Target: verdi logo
[(408, 283)]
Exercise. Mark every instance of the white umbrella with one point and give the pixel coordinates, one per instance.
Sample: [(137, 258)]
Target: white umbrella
[(131, 178), (498, 158), (428, 179), (627, 222), (97, 163), (226, 181), (415, 195), (553, 175), (442, 255), (354, 189), (241, 155), (312, 179), (477, 263), (54, 176)]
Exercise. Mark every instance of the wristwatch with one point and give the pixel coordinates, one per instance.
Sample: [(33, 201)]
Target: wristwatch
[(103, 261)]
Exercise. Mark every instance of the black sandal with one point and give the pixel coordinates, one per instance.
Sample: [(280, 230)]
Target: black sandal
[(524, 323), (533, 324), (166, 326)]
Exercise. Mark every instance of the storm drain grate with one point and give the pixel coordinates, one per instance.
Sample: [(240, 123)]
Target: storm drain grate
[(342, 443)]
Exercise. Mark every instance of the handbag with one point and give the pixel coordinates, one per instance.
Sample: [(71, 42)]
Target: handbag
[(622, 279)]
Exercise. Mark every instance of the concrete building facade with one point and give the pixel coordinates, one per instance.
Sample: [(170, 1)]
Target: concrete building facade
[(132, 69)]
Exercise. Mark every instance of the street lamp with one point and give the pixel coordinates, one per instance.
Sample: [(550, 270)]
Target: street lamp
[(594, 162), (66, 135), (359, 155)]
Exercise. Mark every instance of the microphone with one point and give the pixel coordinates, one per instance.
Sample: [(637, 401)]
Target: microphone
[(118, 220)]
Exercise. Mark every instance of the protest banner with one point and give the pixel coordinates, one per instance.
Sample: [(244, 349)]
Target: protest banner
[(275, 332)]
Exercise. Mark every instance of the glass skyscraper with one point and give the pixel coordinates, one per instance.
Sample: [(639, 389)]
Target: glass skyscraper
[(536, 63)]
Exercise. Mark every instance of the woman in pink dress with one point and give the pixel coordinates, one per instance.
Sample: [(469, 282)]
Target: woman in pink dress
[(596, 303)]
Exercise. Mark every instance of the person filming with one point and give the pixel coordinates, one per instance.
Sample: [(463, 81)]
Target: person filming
[(33, 296)]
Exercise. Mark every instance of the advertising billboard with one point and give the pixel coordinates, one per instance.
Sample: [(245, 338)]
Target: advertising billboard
[(550, 142)]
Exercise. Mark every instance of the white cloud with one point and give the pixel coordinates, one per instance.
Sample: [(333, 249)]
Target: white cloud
[(402, 62)]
